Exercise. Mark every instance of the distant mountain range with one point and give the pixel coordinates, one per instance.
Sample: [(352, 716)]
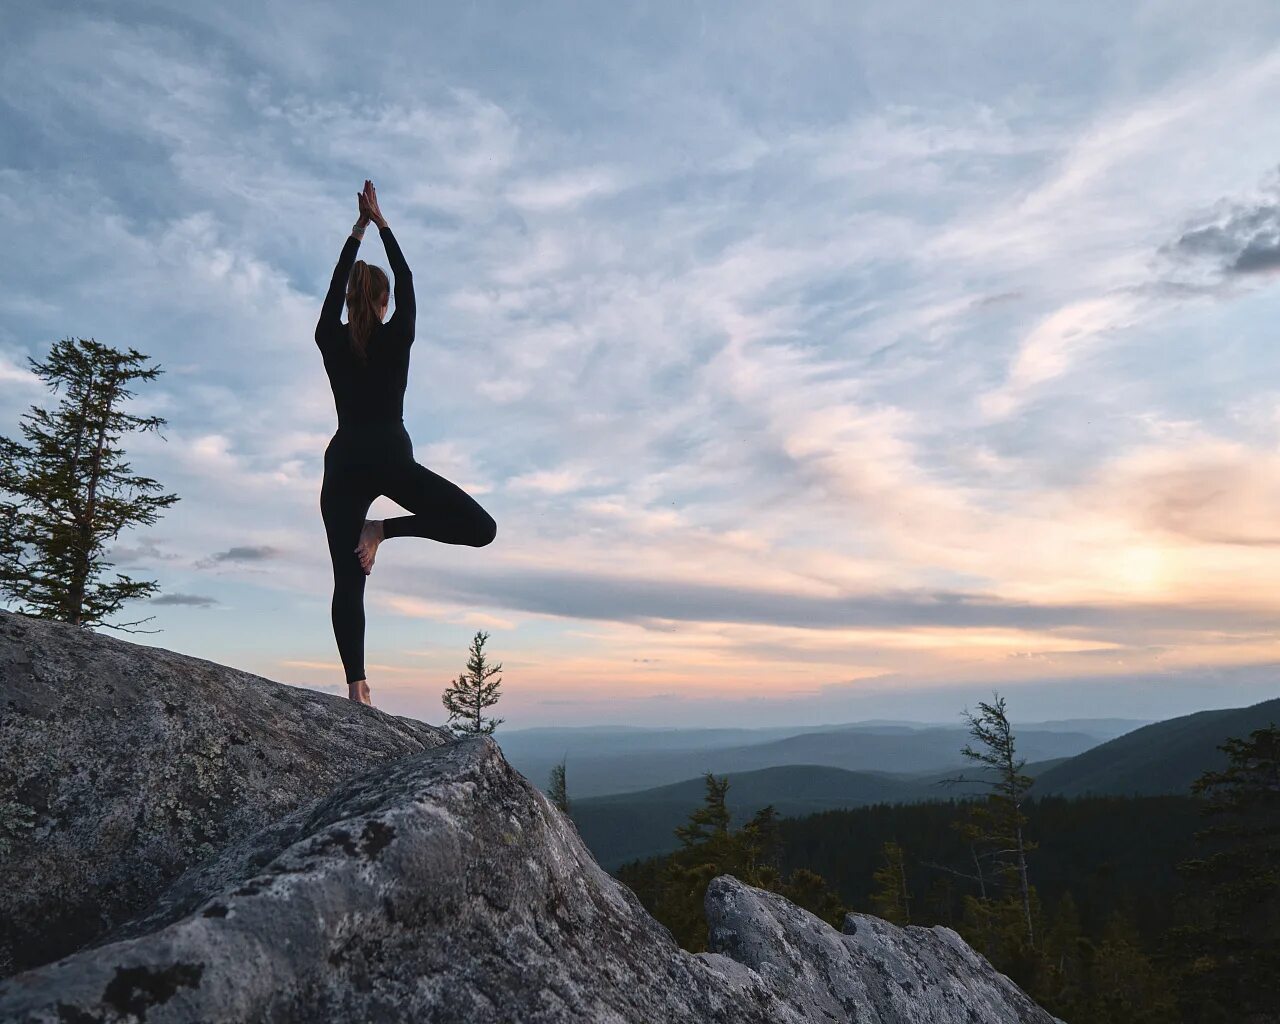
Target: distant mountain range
[(611, 760), (864, 763), (1158, 759), (626, 826)]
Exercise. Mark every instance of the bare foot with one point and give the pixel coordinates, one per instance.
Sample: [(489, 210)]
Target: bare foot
[(370, 537), (359, 692)]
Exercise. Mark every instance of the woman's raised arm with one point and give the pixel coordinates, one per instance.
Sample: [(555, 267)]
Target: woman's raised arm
[(406, 304), (331, 310), (402, 320)]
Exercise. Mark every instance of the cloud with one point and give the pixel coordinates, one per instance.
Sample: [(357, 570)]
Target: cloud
[(245, 554), (143, 552), (551, 481), (194, 600), (11, 372), (416, 608), (1237, 237), (897, 381), (639, 600), (565, 190), (1240, 238), (1056, 344), (1206, 490)]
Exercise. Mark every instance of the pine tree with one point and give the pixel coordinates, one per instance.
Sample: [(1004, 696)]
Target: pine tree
[(709, 848), (1063, 947), (1230, 951), (757, 846), (998, 824), (1124, 985), (467, 699), (978, 925), (707, 830), (559, 792), (890, 898), (939, 902), (705, 850), (74, 490), (754, 857)]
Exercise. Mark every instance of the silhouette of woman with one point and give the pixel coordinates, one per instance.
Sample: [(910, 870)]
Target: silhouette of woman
[(371, 453)]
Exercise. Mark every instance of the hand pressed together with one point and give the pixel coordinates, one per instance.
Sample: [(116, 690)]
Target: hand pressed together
[(368, 202)]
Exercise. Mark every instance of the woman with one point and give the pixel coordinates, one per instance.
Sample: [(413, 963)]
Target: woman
[(371, 453)]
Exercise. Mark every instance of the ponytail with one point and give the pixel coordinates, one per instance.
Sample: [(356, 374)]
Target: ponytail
[(365, 290)]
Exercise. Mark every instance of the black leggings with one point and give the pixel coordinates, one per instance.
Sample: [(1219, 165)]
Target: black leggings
[(360, 464)]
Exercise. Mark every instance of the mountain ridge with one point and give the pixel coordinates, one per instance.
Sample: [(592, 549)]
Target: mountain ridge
[(1162, 758)]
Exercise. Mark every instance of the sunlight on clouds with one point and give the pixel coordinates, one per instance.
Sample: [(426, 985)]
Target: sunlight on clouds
[(417, 608), (404, 604), (741, 660), (730, 658), (1141, 570), (334, 666), (1205, 489), (484, 621)]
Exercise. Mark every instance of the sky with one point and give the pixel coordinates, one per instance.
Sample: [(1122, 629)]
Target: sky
[(817, 361)]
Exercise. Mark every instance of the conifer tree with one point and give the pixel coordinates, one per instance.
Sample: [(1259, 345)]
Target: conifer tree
[(978, 925), (559, 791), (74, 491), (1063, 946), (467, 699), (890, 898), (1230, 950), (704, 851), (707, 830), (709, 848), (757, 846), (939, 901), (998, 823), (1124, 985)]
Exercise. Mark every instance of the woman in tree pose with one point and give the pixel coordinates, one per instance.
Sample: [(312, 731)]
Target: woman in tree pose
[(371, 453)]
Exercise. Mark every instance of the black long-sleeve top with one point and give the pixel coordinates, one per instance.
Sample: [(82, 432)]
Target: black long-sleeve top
[(371, 392)]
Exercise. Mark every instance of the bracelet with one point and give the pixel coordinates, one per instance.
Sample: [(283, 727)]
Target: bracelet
[(357, 229)]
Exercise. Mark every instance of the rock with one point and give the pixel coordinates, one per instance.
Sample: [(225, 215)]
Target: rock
[(122, 765), (874, 971), (442, 886)]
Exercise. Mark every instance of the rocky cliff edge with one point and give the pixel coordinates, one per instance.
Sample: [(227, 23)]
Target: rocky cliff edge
[(201, 844)]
